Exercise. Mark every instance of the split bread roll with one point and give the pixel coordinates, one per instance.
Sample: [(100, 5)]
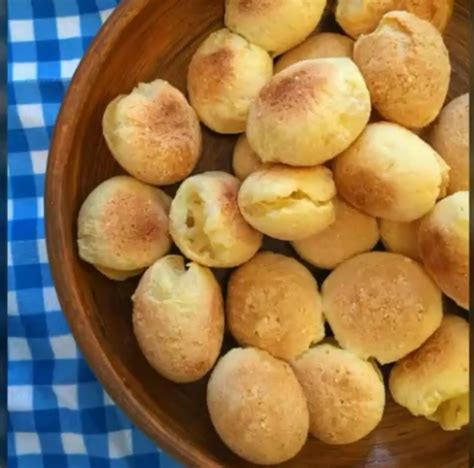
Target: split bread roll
[(381, 305), (273, 304), (257, 406), (224, 77), (288, 203), (206, 224), (406, 67), (390, 173), (178, 318), (153, 133), (346, 394), (275, 25), (443, 242), (433, 381), (123, 227), (351, 233)]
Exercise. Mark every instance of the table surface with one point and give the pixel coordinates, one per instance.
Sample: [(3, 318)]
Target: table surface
[(59, 415)]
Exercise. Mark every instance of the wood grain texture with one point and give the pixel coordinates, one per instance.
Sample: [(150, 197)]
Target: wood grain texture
[(142, 40)]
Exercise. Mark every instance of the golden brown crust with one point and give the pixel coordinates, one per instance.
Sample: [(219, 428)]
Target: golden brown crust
[(337, 242), (244, 159), (400, 238), (406, 67), (437, 12), (153, 133), (443, 242), (178, 318), (257, 406), (123, 225), (437, 372), (450, 138), (261, 299), (346, 395), (381, 305)]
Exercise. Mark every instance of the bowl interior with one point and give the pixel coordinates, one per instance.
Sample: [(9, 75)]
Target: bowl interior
[(144, 40)]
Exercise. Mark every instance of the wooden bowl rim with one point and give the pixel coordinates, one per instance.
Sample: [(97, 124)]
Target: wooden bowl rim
[(69, 294)]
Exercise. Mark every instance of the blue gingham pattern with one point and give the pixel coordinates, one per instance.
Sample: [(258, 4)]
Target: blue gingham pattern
[(59, 415)]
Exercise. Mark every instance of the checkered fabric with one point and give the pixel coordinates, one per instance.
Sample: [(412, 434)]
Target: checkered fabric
[(59, 415)]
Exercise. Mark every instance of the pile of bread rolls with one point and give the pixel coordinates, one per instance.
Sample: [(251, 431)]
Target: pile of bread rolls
[(329, 159)]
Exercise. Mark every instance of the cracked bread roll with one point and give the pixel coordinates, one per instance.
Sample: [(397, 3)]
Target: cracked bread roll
[(443, 242), (400, 238), (224, 77), (206, 224), (406, 67), (390, 173), (178, 318), (346, 394), (153, 133), (123, 227), (275, 25), (381, 305), (288, 203), (321, 45), (257, 406), (450, 138), (244, 159), (337, 242), (288, 122), (433, 381), (273, 304)]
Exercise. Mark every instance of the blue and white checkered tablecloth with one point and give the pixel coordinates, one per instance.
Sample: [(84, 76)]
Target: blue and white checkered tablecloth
[(59, 415)]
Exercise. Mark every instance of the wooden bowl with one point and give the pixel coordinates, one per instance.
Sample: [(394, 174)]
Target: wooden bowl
[(142, 40)]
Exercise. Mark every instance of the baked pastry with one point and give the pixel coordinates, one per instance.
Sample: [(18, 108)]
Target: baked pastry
[(289, 123), (381, 305), (321, 45), (153, 133), (406, 67), (437, 12), (443, 242), (274, 25), (351, 233), (450, 138), (288, 203), (244, 159), (400, 238), (122, 227), (178, 318), (257, 406), (224, 77), (273, 304), (346, 394), (433, 381), (390, 173), (206, 224)]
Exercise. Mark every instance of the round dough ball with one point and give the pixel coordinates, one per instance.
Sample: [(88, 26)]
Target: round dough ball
[(178, 318), (337, 242), (275, 25), (390, 173), (406, 67), (288, 203), (450, 138), (433, 381), (309, 112), (346, 394), (153, 133), (400, 238), (322, 45), (123, 227), (257, 406), (273, 304), (443, 242), (244, 159), (206, 224), (225, 75), (381, 305)]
